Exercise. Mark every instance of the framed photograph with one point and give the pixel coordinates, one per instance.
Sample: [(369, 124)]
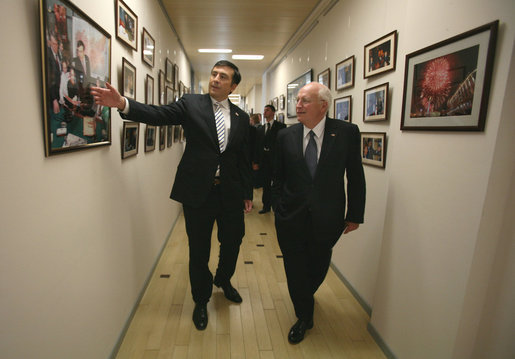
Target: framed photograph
[(281, 102), (149, 48), (126, 25), (149, 90), (181, 89), (343, 108), (76, 54), (128, 79), (169, 70), (293, 89), (380, 55), (150, 138), (275, 103), (130, 138), (162, 86), (375, 103), (162, 137), (345, 74), (280, 117), (373, 145), (325, 78), (175, 77), (176, 133), (169, 135), (170, 97), (447, 85)]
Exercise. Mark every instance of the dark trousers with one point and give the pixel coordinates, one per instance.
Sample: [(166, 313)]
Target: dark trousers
[(306, 263), (199, 227), (266, 174)]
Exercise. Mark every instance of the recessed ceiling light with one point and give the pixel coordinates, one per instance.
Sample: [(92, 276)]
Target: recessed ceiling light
[(215, 51), (247, 57)]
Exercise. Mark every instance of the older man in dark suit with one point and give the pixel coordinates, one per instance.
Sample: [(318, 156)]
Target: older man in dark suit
[(309, 198), (213, 180)]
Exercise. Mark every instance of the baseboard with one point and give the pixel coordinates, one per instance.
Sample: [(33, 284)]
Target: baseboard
[(380, 342)]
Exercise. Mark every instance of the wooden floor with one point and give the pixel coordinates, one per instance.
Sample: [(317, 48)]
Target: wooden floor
[(255, 329)]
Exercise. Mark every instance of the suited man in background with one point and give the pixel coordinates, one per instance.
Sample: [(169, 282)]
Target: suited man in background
[(309, 197), (213, 180), (265, 139)]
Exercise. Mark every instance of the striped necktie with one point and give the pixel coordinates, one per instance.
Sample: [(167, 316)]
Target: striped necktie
[(220, 125)]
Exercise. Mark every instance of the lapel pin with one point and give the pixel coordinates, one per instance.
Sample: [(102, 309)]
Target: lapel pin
[(333, 134)]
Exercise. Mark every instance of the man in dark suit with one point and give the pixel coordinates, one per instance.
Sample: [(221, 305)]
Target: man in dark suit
[(213, 180), (265, 139), (82, 67), (309, 199)]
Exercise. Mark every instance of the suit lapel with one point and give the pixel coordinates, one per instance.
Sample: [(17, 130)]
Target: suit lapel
[(298, 139), (209, 118), (235, 116), (327, 143)]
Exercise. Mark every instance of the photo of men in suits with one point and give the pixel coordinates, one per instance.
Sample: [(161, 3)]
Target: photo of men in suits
[(311, 204), (213, 180)]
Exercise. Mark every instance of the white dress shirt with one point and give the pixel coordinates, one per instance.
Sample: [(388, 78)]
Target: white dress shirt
[(319, 136)]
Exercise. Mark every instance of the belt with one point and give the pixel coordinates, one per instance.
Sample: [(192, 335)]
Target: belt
[(216, 181)]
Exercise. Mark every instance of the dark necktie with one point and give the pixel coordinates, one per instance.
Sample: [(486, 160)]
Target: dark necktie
[(311, 154), (267, 127)]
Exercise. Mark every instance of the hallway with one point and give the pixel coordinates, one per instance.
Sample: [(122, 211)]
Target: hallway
[(258, 327)]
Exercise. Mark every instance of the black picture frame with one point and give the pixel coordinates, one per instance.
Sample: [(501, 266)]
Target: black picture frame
[(126, 25), (324, 78), (343, 108), (128, 79), (373, 149), (375, 103), (149, 90), (380, 55), (169, 135), (292, 90), (463, 65), (169, 70), (162, 138), (150, 138), (148, 52), (75, 55), (130, 139), (345, 73)]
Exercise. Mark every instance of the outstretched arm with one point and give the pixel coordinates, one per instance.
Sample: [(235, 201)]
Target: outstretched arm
[(108, 97)]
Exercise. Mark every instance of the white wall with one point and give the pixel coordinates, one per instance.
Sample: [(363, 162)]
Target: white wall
[(426, 258), (79, 232), (253, 99)]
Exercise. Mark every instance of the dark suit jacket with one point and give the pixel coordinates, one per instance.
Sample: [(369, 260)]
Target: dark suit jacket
[(198, 165), (297, 198), (266, 141)]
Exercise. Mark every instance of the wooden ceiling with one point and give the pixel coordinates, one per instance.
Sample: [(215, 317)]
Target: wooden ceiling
[(248, 27)]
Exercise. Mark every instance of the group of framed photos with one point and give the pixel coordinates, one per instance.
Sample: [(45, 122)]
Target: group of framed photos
[(167, 136)]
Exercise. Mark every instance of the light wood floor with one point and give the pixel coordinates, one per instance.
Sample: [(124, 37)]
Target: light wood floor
[(255, 329)]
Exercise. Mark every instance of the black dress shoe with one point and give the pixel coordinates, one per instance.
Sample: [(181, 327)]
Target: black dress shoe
[(229, 292), (200, 316), (264, 210), (297, 332)]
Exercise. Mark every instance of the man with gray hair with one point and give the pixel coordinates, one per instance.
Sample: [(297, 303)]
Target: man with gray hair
[(309, 198)]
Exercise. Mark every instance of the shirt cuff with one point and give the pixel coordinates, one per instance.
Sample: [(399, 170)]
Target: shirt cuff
[(126, 109)]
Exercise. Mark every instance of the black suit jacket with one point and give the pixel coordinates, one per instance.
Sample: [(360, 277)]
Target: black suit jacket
[(198, 165), (322, 200), (266, 141)]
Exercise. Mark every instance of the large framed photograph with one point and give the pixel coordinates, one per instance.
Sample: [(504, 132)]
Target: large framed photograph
[(293, 89), (380, 55), (375, 103), (447, 85), (150, 138), (126, 25), (76, 54), (149, 48), (373, 148), (130, 138), (345, 73), (128, 79), (149, 90), (343, 108), (325, 78)]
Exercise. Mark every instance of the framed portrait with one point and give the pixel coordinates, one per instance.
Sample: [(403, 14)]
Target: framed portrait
[(343, 108), (375, 103), (280, 117), (275, 103), (150, 138), (169, 70), (345, 74), (325, 78), (176, 133), (126, 25), (130, 138), (76, 54), (128, 79), (149, 48), (281, 102), (293, 89), (169, 135), (162, 137), (175, 77), (162, 88), (170, 97), (373, 148), (380, 55), (447, 85), (149, 90)]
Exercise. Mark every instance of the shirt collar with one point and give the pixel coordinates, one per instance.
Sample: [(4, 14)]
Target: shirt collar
[(318, 129), (224, 103)]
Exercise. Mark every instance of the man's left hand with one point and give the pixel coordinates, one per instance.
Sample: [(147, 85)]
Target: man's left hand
[(351, 226), (248, 205)]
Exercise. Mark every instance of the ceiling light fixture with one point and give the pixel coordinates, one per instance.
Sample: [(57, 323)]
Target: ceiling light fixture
[(215, 51), (247, 57)]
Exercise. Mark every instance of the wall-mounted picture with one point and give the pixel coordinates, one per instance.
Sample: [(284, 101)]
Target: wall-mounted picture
[(128, 79), (150, 138), (293, 89), (181, 89), (175, 77), (280, 117), (373, 148), (162, 137), (76, 54), (281, 102), (343, 108), (126, 25), (130, 138), (380, 55), (375, 103), (149, 90), (176, 133), (345, 74), (149, 48), (169, 135), (162, 89), (447, 85), (325, 78), (169, 70), (275, 103), (170, 96)]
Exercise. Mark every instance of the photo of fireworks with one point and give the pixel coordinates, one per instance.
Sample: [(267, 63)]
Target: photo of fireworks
[(444, 86)]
